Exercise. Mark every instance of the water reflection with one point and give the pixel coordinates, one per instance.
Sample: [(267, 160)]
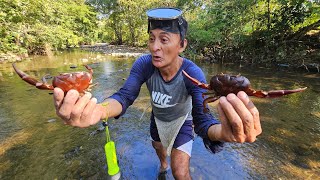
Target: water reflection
[(34, 144)]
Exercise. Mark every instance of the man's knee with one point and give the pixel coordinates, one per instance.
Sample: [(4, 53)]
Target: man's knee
[(181, 173), (180, 164)]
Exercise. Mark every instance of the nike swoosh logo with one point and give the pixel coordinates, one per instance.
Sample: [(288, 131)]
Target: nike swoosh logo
[(163, 106)]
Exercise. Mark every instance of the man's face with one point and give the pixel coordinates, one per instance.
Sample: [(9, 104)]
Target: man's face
[(164, 47)]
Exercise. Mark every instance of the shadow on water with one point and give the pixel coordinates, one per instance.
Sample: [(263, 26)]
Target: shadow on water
[(34, 144)]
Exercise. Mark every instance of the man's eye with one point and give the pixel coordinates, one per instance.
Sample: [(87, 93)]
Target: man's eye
[(164, 40)]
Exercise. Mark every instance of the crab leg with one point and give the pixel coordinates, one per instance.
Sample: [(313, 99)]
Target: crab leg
[(208, 93), (209, 100), (275, 93), (44, 78), (196, 82), (31, 80), (89, 68)]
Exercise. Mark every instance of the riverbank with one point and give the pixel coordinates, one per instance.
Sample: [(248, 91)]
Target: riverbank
[(129, 51), (115, 50), (10, 57)]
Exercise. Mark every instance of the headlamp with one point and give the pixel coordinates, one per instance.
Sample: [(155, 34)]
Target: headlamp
[(167, 19)]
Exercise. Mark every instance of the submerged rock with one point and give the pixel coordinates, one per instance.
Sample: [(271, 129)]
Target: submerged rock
[(100, 129), (73, 66), (73, 153)]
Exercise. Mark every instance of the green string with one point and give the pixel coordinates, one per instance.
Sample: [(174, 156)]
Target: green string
[(109, 148), (105, 122), (107, 133)]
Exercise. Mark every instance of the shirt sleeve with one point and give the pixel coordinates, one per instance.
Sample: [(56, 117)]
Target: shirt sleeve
[(202, 121), (130, 90)]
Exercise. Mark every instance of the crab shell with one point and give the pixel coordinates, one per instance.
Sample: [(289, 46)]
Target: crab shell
[(223, 84), (79, 81)]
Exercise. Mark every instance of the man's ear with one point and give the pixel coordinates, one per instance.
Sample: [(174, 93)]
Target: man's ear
[(183, 45)]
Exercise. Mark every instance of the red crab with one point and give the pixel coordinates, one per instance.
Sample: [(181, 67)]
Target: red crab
[(80, 81), (223, 84)]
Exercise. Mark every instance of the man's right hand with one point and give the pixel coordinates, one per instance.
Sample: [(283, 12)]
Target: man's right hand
[(76, 110)]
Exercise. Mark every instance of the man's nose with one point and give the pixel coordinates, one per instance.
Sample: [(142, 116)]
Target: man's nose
[(155, 46)]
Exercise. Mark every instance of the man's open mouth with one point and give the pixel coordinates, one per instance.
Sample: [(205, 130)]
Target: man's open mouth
[(156, 57)]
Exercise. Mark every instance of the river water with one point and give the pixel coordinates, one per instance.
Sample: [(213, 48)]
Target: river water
[(34, 144)]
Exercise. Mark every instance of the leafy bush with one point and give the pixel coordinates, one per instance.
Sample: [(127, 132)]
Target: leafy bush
[(34, 26)]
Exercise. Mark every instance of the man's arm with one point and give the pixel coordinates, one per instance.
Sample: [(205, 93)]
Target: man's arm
[(239, 118), (202, 121)]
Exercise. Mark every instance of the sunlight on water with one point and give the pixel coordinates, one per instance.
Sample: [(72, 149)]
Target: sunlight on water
[(34, 144)]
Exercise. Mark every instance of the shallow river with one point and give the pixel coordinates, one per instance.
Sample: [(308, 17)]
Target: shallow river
[(34, 144)]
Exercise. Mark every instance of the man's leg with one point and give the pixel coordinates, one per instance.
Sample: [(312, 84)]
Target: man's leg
[(157, 145), (162, 154), (181, 152), (180, 162)]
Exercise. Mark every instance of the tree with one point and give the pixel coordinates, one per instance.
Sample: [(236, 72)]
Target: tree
[(37, 26), (128, 18)]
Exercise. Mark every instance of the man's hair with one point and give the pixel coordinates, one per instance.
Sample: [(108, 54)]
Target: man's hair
[(183, 31)]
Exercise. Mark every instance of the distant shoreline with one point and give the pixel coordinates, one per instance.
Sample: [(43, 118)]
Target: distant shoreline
[(115, 50)]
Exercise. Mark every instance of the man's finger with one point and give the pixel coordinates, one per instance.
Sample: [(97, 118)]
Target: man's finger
[(245, 116), (226, 127), (58, 96), (69, 101), (78, 108), (253, 110), (96, 115), (88, 110), (234, 119)]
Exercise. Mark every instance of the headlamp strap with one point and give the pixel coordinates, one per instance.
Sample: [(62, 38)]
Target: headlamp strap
[(180, 21)]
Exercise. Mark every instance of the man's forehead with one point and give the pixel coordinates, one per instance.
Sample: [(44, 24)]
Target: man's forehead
[(160, 31)]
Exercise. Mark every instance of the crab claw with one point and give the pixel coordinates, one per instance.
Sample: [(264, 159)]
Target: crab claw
[(196, 82), (24, 76), (275, 93)]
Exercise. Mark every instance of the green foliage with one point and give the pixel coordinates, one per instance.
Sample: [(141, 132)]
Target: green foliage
[(36, 26), (252, 29), (219, 23), (248, 29), (126, 20)]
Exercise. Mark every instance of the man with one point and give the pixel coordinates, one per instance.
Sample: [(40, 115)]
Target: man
[(176, 102)]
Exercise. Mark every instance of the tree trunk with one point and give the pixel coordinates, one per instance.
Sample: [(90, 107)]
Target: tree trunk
[(299, 34), (132, 34), (118, 32), (269, 25), (119, 36)]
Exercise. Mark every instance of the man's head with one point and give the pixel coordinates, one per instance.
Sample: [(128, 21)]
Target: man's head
[(167, 30), (169, 20)]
